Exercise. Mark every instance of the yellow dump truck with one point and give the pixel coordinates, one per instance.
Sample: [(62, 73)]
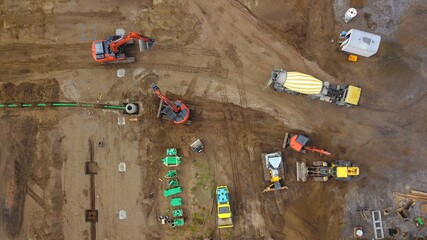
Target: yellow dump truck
[(224, 218), (299, 83)]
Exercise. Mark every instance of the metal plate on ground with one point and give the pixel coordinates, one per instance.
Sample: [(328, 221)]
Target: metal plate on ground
[(91, 215), (122, 214), (121, 73), (122, 167), (378, 225)]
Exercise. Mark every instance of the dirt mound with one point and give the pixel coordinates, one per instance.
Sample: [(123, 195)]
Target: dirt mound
[(45, 90)]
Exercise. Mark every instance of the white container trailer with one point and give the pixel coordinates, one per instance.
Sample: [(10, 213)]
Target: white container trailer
[(361, 43)]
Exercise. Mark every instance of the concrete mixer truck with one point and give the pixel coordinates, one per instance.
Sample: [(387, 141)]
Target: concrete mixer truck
[(299, 83)]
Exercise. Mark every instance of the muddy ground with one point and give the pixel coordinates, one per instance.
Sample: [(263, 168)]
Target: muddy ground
[(216, 55)]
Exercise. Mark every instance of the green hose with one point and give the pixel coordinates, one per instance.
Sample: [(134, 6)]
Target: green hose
[(114, 107), (59, 104), (64, 104)]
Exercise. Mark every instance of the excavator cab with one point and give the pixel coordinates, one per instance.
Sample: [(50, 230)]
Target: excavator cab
[(298, 142)]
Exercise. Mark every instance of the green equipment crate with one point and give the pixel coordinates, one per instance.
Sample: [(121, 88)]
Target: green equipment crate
[(175, 202), (171, 152), (172, 191), (171, 161), (178, 222), (171, 174), (177, 213), (173, 183)]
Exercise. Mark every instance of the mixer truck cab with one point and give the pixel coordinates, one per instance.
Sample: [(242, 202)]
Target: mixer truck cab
[(299, 83)]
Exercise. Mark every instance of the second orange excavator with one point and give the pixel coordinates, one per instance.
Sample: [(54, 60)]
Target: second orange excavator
[(111, 50), (298, 143), (176, 111)]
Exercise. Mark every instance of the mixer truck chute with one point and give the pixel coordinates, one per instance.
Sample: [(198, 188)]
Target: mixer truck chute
[(299, 83)]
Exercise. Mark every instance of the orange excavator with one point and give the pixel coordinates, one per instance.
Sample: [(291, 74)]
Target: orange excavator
[(176, 111), (298, 142), (111, 50)]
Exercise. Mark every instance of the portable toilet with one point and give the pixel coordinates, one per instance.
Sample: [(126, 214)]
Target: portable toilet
[(361, 43)]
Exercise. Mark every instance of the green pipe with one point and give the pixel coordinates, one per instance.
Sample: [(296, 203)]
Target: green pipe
[(59, 104), (114, 107), (64, 104)]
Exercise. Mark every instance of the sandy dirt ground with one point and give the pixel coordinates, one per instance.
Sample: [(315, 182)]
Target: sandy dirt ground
[(216, 55)]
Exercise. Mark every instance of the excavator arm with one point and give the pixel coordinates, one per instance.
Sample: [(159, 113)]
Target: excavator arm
[(320, 151), (114, 45), (166, 100)]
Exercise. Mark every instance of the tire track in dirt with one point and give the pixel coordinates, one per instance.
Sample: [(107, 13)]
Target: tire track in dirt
[(220, 72), (41, 48), (234, 166), (54, 57), (190, 89), (232, 53), (164, 49), (38, 199)]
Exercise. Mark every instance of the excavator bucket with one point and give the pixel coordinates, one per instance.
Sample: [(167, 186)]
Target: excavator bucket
[(143, 46), (302, 171), (268, 83), (286, 140)]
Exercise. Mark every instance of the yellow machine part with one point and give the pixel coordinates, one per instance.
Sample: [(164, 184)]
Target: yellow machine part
[(344, 172), (303, 83), (353, 95), (226, 214), (353, 171), (275, 179)]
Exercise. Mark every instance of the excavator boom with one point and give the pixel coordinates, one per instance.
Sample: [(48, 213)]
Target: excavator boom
[(321, 151), (114, 45)]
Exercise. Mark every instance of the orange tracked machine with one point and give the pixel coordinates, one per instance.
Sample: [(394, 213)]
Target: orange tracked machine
[(111, 50), (175, 111), (298, 142)]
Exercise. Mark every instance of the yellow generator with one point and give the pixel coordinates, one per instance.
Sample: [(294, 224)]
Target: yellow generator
[(322, 171), (299, 83)]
